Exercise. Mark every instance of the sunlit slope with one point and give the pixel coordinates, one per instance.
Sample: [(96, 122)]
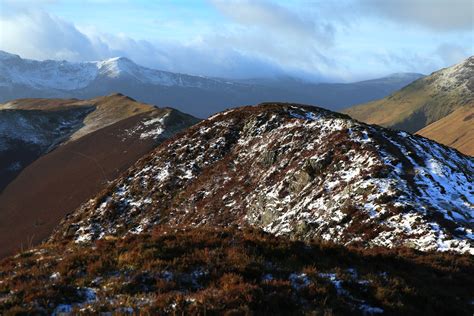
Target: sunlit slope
[(455, 130), (422, 102)]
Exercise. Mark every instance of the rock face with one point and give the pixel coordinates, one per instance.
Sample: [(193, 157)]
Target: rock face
[(292, 170)]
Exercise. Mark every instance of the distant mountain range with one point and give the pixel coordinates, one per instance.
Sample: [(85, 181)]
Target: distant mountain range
[(444, 99), (199, 96)]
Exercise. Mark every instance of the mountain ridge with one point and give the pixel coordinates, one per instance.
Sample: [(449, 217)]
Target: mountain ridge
[(277, 208), (422, 102), (57, 181), (293, 170)]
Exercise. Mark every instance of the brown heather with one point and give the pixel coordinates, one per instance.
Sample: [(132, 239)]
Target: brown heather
[(208, 271)]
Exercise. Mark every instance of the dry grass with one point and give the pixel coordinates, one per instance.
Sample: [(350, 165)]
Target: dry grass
[(455, 130)]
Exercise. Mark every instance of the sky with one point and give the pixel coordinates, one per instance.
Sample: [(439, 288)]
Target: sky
[(317, 40)]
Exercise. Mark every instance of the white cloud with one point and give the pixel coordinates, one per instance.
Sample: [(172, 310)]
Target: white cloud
[(276, 19), (439, 15), (451, 53), (40, 35), (252, 39)]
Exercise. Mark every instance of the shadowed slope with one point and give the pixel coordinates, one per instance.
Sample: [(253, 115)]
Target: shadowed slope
[(58, 182)]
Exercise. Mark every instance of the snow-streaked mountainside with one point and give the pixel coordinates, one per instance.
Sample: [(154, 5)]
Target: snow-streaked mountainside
[(29, 128), (26, 135), (63, 75), (197, 95), (456, 79), (293, 170)]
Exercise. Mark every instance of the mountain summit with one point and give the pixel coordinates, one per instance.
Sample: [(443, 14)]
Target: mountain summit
[(190, 228), (293, 170)]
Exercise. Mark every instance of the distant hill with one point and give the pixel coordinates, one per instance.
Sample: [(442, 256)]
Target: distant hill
[(105, 137), (422, 102), (197, 95), (30, 128)]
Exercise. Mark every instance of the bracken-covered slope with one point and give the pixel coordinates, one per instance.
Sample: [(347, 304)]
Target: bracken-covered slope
[(113, 135), (30, 128), (455, 130), (422, 102), (293, 170), (226, 271)]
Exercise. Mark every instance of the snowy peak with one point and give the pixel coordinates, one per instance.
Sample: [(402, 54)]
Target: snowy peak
[(294, 170), (458, 78), (117, 66), (68, 76)]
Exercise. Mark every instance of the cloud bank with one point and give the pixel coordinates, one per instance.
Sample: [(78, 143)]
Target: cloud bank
[(439, 15), (322, 42)]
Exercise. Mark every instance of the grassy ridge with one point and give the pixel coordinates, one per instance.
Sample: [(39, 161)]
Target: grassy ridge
[(422, 102)]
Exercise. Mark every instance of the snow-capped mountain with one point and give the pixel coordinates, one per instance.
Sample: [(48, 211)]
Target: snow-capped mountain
[(199, 96), (67, 76), (293, 170)]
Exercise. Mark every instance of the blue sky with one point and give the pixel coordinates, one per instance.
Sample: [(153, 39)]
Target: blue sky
[(322, 40)]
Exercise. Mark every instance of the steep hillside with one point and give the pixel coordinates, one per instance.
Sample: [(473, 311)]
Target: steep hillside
[(197, 95), (422, 102), (106, 110), (29, 128), (293, 170), (206, 271), (59, 181), (455, 130)]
